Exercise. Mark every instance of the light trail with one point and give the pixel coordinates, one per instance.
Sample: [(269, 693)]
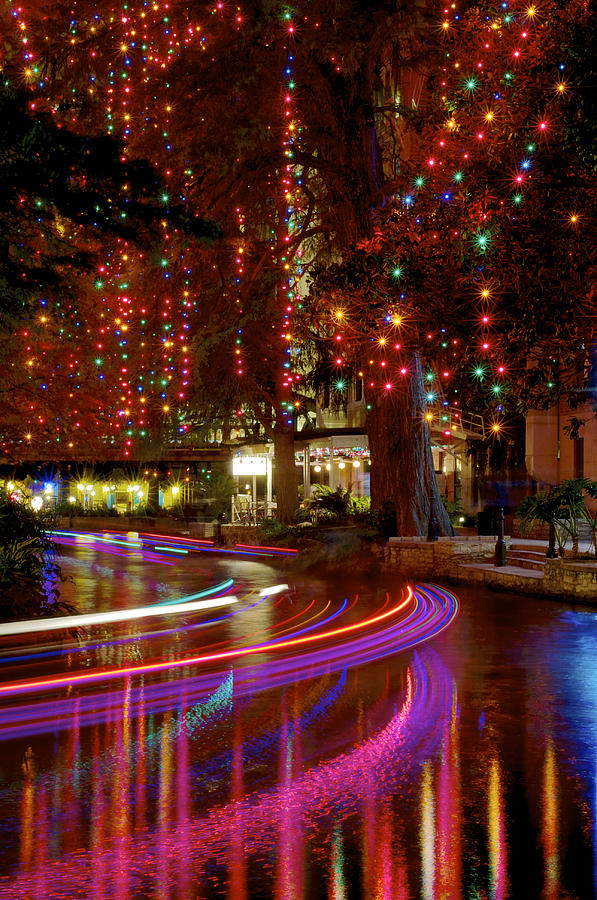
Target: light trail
[(62, 623), (430, 611), (422, 614), (144, 542)]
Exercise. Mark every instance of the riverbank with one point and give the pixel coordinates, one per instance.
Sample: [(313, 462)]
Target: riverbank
[(470, 560), (464, 559)]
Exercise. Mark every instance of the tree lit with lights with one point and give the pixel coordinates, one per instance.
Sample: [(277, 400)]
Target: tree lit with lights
[(424, 168)]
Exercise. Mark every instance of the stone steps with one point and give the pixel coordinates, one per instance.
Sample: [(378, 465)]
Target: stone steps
[(525, 558), (522, 562)]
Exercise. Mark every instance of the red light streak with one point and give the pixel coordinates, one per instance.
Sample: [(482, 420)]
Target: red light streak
[(107, 674)]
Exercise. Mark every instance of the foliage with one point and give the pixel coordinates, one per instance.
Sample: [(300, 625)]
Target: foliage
[(272, 530), (320, 544), (335, 503), (220, 488), (590, 509), (479, 261), (563, 506), (29, 575), (454, 510), (65, 197)]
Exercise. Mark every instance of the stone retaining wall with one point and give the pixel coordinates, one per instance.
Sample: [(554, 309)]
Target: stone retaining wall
[(470, 560), (571, 578), (563, 578), (420, 558), (158, 525), (239, 534)]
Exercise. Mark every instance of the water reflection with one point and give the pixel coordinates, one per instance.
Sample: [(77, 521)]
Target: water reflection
[(106, 784), (410, 776)]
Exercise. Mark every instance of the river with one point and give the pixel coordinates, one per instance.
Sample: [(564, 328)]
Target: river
[(296, 736)]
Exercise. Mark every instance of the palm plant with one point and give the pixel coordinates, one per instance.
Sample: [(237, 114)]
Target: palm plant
[(29, 574), (561, 508), (573, 507), (588, 514), (546, 507)]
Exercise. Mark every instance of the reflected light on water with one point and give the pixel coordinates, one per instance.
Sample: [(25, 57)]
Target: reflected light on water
[(496, 830), (285, 816), (549, 824), (364, 764)]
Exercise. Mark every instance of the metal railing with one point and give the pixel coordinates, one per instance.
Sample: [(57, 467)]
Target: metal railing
[(249, 513), (448, 418)]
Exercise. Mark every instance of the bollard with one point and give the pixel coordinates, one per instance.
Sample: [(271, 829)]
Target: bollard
[(500, 544)]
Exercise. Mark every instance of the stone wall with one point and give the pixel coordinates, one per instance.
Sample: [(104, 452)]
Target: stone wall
[(571, 578), (539, 531), (419, 558), (239, 534), (564, 579), (124, 524), (470, 560)]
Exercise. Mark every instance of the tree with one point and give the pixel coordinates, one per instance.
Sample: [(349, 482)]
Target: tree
[(465, 266), (62, 196), (323, 117)]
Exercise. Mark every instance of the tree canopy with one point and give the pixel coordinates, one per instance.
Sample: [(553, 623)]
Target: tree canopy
[(387, 149)]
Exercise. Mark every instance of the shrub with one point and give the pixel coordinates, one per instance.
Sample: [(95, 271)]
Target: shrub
[(329, 503), (29, 575), (271, 530)]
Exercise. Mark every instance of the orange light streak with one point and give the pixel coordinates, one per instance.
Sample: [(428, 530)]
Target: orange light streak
[(87, 677)]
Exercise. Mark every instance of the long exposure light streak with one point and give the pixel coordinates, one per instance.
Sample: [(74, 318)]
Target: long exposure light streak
[(416, 618), (412, 732), (61, 623), (144, 542)]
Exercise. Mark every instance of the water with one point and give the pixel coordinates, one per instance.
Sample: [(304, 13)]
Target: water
[(464, 767)]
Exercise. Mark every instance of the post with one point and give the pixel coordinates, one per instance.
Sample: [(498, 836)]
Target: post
[(500, 544), (332, 478), (551, 549), (307, 472), (268, 485)]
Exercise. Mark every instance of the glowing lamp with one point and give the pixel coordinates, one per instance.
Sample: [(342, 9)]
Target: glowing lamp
[(37, 503), (341, 465), (317, 468), (175, 489), (356, 463)]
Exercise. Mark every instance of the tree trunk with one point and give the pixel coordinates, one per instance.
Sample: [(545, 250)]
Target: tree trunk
[(403, 482), (285, 472)]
